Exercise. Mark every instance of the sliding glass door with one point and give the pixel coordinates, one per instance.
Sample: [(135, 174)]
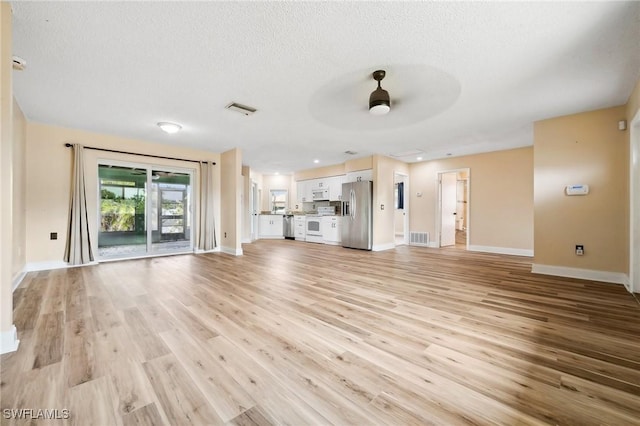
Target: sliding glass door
[(143, 210), (170, 211)]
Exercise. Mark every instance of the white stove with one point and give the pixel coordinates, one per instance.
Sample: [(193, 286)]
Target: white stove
[(314, 229)]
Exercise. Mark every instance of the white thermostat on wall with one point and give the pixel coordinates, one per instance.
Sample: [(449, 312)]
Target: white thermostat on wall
[(577, 189)]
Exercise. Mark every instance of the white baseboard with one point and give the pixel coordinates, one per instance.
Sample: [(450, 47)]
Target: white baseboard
[(200, 251), (246, 241), (9, 340), (584, 274), (381, 247), (17, 280), (232, 251), (268, 237), (502, 250), (45, 266), (432, 244)]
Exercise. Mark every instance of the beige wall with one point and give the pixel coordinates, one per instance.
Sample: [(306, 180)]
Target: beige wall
[(231, 175), (633, 131), (320, 172), (585, 148), (49, 175), (19, 191), (270, 182), (633, 104), (246, 213), (384, 169), (6, 186), (364, 163), (501, 197)]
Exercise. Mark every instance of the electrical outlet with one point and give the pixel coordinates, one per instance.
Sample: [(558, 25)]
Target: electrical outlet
[(225, 235), (381, 206), (53, 236), (579, 250)]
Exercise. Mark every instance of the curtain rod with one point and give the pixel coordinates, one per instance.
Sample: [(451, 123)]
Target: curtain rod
[(68, 145)]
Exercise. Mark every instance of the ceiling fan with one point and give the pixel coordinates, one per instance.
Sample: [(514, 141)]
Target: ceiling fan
[(379, 102), (156, 174)]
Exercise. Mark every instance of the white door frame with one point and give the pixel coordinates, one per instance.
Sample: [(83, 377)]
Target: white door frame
[(634, 205), (405, 219), (149, 167), (439, 203), (253, 209)]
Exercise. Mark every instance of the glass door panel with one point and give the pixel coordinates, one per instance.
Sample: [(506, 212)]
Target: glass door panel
[(122, 230), (171, 211)]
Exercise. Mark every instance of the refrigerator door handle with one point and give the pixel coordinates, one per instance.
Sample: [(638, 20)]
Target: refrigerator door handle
[(353, 204)]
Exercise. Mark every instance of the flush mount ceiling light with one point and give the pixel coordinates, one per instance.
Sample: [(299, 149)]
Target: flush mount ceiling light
[(169, 127), (379, 103)]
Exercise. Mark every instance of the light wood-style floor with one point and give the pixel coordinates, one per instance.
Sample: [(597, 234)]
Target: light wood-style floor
[(298, 333)]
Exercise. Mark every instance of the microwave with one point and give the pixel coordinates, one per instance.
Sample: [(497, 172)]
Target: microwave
[(320, 194)]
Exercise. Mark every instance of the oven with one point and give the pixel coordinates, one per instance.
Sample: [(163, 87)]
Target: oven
[(313, 232)]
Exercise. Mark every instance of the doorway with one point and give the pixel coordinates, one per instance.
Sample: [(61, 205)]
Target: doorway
[(144, 210), (453, 209), (253, 208), (634, 203), (401, 208)]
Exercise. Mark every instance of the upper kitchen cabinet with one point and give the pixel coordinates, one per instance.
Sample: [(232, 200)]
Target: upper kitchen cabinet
[(335, 187), (329, 185), (304, 194), (360, 175)]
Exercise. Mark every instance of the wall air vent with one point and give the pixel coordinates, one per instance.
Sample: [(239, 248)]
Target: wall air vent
[(246, 110), (419, 239)]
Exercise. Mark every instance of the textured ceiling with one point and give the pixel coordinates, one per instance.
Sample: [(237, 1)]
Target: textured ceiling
[(464, 77)]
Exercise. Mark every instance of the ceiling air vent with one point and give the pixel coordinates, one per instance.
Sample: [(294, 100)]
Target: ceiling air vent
[(246, 110), (350, 152)]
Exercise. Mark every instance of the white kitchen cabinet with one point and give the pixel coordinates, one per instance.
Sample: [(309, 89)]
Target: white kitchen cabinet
[(332, 230), (360, 175), (299, 227), (270, 226), (304, 194), (335, 185), (321, 183)]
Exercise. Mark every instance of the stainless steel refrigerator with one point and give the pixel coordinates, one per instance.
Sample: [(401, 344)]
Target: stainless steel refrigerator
[(357, 215)]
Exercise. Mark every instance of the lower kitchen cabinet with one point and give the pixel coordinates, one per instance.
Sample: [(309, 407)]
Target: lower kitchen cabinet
[(299, 227), (332, 229), (270, 226)]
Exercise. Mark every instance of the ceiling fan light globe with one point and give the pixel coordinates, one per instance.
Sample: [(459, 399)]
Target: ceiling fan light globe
[(379, 109)]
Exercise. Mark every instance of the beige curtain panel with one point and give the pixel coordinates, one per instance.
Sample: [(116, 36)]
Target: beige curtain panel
[(207, 234), (78, 250)]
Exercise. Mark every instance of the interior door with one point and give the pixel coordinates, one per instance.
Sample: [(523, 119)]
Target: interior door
[(448, 205)]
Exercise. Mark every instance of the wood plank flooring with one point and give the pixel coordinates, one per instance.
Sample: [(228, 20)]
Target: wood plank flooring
[(298, 333)]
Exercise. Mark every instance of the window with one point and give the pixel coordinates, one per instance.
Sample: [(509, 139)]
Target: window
[(278, 200)]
